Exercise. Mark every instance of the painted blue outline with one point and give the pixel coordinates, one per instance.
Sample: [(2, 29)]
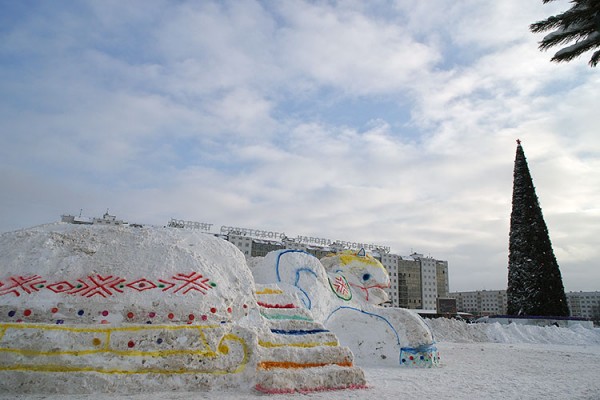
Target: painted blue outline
[(298, 271), (298, 331), (307, 301), (285, 252), (371, 315)]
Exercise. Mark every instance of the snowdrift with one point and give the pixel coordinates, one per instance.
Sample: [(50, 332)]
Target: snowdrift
[(88, 308)]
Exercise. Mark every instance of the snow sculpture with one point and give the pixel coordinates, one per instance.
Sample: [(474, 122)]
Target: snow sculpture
[(361, 271), (91, 308), (343, 292)]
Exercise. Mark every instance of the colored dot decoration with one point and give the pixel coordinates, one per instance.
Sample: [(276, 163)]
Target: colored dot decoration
[(159, 340), (130, 315), (131, 344), (96, 342)]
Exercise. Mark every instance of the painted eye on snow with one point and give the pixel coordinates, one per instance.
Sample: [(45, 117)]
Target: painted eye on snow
[(366, 277)]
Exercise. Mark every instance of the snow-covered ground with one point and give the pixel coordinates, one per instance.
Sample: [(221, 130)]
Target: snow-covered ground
[(478, 361)]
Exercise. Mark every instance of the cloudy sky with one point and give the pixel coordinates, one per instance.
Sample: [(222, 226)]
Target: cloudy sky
[(384, 122)]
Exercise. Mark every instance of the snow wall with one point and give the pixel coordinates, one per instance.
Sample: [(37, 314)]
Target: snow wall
[(88, 309)]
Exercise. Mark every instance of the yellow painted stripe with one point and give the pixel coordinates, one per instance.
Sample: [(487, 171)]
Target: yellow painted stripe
[(222, 349), (269, 291)]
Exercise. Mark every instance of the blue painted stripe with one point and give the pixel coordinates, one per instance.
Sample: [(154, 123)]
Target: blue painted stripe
[(298, 331)]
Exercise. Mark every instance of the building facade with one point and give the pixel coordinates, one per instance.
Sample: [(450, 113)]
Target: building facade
[(585, 305), (481, 302), (494, 302)]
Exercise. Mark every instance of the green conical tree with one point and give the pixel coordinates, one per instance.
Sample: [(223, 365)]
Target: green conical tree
[(534, 282)]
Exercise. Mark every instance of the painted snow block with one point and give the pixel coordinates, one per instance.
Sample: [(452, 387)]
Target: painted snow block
[(108, 308), (342, 292), (297, 353)]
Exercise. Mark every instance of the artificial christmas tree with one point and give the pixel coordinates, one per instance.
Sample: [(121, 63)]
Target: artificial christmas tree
[(534, 281)]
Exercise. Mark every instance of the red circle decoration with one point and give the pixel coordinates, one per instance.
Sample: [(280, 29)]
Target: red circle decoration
[(229, 309), (191, 317), (245, 306), (131, 344), (104, 313), (27, 313), (213, 310), (170, 316), (130, 315), (204, 317), (54, 310), (152, 314)]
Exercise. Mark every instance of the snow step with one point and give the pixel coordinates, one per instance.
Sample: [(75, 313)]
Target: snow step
[(296, 313), (272, 297), (305, 356), (320, 339), (332, 377), (297, 353)]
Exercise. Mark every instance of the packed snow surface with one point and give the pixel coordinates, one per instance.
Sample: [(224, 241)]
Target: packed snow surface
[(479, 361)]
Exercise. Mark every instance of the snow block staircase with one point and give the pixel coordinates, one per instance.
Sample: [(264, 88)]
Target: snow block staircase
[(297, 353)]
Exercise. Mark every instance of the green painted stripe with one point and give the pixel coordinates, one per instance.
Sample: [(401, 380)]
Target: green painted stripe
[(283, 316)]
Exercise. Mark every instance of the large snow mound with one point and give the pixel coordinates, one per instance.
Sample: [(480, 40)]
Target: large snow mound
[(93, 308), (67, 273)]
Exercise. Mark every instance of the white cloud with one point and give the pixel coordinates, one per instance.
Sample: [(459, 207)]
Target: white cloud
[(223, 112)]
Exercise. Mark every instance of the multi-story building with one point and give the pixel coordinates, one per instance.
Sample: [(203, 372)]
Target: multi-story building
[(481, 302), (584, 304), (494, 302), (416, 281)]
